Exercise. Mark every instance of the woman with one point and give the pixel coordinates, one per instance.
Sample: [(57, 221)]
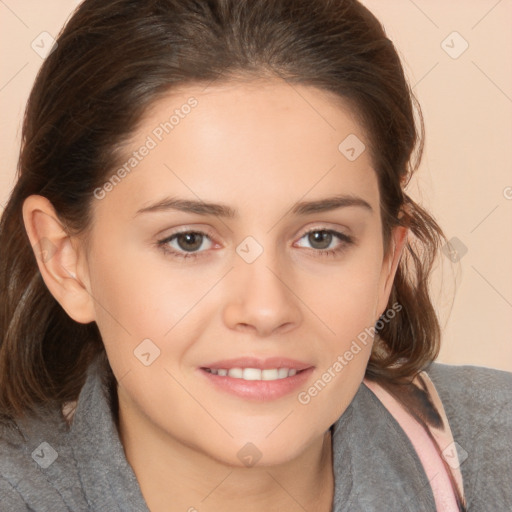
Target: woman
[(170, 344)]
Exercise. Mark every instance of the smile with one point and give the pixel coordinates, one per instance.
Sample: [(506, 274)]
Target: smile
[(254, 373), (257, 384)]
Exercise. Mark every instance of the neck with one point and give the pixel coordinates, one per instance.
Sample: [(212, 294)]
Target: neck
[(175, 477)]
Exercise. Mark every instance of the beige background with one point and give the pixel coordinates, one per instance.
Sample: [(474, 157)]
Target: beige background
[(465, 178)]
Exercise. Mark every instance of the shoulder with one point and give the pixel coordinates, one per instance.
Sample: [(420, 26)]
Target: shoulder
[(474, 393), (478, 405), (481, 381), (37, 465), (10, 498)]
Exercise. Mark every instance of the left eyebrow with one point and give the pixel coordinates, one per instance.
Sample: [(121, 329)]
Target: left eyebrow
[(329, 203), (221, 210)]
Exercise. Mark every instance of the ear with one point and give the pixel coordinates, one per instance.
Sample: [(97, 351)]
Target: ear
[(57, 255), (390, 265)]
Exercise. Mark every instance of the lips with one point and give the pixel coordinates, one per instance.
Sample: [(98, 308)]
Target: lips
[(257, 379)]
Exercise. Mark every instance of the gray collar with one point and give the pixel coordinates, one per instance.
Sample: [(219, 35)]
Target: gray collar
[(107, 479)]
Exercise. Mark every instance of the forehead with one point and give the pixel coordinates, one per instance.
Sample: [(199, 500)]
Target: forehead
[(250, 142), (267, 110)]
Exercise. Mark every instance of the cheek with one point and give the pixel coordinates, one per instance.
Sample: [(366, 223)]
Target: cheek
[(348, 311), (135, 300), (127, 283), (346, 302), (140, 295), (346, 297)]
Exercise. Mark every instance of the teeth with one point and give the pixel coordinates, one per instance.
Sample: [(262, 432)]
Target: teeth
[(273, 374), (251, 374), (255, 373), (282, 373), (236, 373)]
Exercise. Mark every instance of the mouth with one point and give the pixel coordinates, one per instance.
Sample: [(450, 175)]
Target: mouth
[(256, 379), (268, 374)]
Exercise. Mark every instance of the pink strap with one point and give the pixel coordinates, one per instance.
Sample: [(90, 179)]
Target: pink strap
[(435, 470)]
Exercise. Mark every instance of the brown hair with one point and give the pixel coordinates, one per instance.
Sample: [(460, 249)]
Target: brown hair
[(115, 59)]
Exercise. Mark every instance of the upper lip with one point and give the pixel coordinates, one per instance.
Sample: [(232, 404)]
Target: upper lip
[(262, 364)]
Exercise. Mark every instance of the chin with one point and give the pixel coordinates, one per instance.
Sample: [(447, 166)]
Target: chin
[(259, 451)]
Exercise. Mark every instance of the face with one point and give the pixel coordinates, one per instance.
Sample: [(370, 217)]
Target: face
[(243, 236)]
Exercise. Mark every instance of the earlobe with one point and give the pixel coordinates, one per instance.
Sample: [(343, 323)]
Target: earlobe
[(57, 258)]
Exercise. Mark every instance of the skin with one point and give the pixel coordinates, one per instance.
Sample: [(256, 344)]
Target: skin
[(258, 148)]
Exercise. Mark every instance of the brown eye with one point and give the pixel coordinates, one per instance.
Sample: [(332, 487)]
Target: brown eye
[(185, 244), (189, 241)]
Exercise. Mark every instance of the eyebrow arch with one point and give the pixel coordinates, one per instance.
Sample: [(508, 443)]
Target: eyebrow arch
[(222, 210)]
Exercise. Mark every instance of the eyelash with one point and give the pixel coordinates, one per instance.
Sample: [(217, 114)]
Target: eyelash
[(345, 239)]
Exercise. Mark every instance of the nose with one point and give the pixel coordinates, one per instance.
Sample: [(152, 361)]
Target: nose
[(260, 297)]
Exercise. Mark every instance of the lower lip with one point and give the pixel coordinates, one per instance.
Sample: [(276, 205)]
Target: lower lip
[(262, 390)]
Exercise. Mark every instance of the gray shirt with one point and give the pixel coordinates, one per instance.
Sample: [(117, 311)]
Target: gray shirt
[(83, 467)]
